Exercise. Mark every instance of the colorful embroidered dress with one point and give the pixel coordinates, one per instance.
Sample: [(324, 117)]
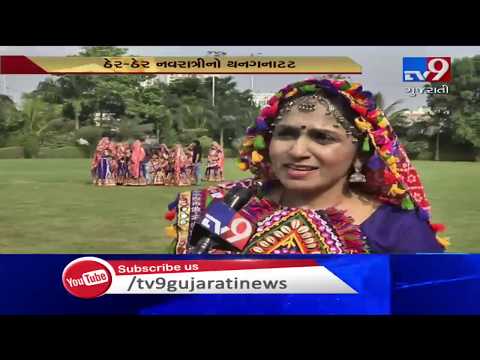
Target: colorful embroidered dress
[(282, 230)]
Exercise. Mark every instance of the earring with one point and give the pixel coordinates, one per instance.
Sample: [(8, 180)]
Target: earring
[(357, 176)]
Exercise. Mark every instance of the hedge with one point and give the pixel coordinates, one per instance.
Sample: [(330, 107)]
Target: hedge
[(66, 152), (12, 152)]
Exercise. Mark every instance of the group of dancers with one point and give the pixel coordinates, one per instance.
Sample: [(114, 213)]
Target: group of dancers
[(132, 164)]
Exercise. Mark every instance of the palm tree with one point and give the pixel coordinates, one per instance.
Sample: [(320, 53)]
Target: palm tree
[(38, 115), (393, 115), (397, 118)]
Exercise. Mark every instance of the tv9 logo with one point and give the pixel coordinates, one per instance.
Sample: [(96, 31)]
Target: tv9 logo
[(231, 226), (427, 69)]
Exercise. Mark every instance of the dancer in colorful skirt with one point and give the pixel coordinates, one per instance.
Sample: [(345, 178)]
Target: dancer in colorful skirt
[(99, 151), (179, 166), (137, 156), (197, 162), (214, 169), (122, 164), (103, 163)]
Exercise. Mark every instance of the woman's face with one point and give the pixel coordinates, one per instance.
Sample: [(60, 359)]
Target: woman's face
[(311, 151)]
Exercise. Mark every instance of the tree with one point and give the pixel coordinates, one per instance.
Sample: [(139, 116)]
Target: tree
[(99, 51), (88, 95), (10, 118), (38, 115), (234, 110), (458, 112)]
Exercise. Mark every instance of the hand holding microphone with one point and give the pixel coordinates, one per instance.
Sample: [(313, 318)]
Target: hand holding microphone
[(223, 224)]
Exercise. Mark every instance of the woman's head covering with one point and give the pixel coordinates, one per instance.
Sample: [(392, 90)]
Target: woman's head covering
[(389, 172)]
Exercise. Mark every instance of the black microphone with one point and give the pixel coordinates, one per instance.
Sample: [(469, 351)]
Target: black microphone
[(235, 199)]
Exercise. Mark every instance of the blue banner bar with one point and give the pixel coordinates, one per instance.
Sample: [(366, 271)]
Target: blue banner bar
[(395, 284)]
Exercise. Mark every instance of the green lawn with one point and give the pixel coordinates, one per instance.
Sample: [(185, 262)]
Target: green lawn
[(50, 206)]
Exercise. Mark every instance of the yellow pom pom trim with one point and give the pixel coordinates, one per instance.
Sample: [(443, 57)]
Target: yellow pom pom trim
[(391, 160), (363, 125), (393, 168), (242, 166), (444, 241), (383, 123), (292, 93), (395, 190), (248, 143), (394, 171), (256, 157), (171, 231)]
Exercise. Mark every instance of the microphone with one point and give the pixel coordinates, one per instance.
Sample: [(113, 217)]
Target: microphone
[(223, 223)]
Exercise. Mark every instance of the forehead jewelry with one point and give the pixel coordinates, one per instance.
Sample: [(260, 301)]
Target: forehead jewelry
[(309, 103)]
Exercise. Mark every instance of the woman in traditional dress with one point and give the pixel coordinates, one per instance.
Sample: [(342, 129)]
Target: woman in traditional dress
[(221, 164), (122, 161), (103, 163), (189, 164), (137, 156), (336, 180), (213, 163), (180, 166), (99, 151), (163, 170)]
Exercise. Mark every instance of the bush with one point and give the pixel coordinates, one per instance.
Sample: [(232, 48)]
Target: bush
[(168, 136), (128, 133), (418, 150), (12, 152), (61, 125), (57, 140), (425, 155), (15, 140), (90, 133), (450, 151), (31, 147), (187, 136), (66, 152)]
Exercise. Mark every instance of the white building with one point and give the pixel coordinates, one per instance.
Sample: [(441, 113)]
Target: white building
[(260, 99), (101, 119), (418, 114)]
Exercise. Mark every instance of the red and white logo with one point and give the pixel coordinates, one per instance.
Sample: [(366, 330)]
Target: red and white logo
[(439, 69), (87, 277)]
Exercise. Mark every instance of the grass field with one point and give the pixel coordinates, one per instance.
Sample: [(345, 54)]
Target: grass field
[(50, 206)]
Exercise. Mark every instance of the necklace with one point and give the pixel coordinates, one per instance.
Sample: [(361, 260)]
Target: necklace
[(335, 205)]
